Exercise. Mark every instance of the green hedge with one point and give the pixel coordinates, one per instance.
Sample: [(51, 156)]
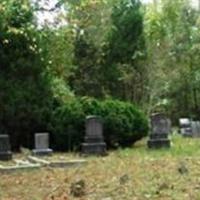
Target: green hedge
[(123, 123)]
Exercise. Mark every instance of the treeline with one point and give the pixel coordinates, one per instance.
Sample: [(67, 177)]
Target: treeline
[(147, 55)]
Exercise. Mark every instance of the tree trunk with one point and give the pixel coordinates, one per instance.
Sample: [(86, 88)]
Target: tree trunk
[(195, 100)]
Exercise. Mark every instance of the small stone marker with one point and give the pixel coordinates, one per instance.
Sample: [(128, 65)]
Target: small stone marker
[(94, 143), (185, 127), (42, 144), (5, 149), (160, 128)]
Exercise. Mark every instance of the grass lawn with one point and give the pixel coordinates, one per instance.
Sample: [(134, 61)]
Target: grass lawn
[(128, 174)]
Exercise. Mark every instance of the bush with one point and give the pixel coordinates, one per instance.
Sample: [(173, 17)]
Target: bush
[(24, 110), (123, 123), (67, 126)]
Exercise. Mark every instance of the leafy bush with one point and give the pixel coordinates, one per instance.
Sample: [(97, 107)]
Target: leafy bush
[(123, 122), (67, 126)]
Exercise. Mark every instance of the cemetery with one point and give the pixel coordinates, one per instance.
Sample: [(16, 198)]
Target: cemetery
[(133, 172), (157, 160), (100, 100)]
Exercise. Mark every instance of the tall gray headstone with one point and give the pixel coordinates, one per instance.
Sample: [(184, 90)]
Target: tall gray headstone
[(94, 142), (5, 149), (160, 128), (185, 127), (42, 144), (195, 126)]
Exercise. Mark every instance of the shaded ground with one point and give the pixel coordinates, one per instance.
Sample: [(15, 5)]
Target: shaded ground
[(128, 174)]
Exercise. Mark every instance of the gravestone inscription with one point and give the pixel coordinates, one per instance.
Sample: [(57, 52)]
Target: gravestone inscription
[(160, 128), (5, 149), (42, 144), (94, 142)]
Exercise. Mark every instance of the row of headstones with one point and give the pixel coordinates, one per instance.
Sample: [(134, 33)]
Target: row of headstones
[(189, 128), (41, 146), (161, 128), (93, 144)]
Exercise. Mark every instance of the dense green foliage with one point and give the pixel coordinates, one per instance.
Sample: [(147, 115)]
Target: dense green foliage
[(172, 34), (123, 123), (25, 94), (107, 63)]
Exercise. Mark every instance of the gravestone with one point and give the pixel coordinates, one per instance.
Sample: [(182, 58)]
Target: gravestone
[(195, 126), (185, 127), (160, 128), (94, 142), (42, 144), (5, 149)]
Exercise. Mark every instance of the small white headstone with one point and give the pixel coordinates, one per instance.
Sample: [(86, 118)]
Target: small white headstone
[(184, 122), (42, 144), (185, 127), (42, 140)]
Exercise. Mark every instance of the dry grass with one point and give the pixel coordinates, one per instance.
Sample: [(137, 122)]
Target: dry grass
[(136, 173)]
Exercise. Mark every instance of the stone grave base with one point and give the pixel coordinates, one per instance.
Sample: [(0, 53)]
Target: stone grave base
[(19, 167), (94, 148), (32, 162), (5, 155), (57, 163), (42, 152), (66, 164), (158, 143)]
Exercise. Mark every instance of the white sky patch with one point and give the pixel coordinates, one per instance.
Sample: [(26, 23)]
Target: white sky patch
[(47, 17), (54, 18), (195, 3)]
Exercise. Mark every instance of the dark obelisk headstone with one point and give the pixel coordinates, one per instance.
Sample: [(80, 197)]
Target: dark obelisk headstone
[(160, 128), (42, 144), (5, 149), (185, 127), (94, 142)]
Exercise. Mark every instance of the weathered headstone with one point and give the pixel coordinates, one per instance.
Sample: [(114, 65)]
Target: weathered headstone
[(195, 126), (94, 142), (5, 149), (160, 128), (42, 144), (185, 127), (198, 128)]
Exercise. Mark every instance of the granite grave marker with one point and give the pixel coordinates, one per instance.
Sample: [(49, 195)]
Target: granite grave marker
[(195, 126), (94, 142), (5, 149), (160, 128)]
